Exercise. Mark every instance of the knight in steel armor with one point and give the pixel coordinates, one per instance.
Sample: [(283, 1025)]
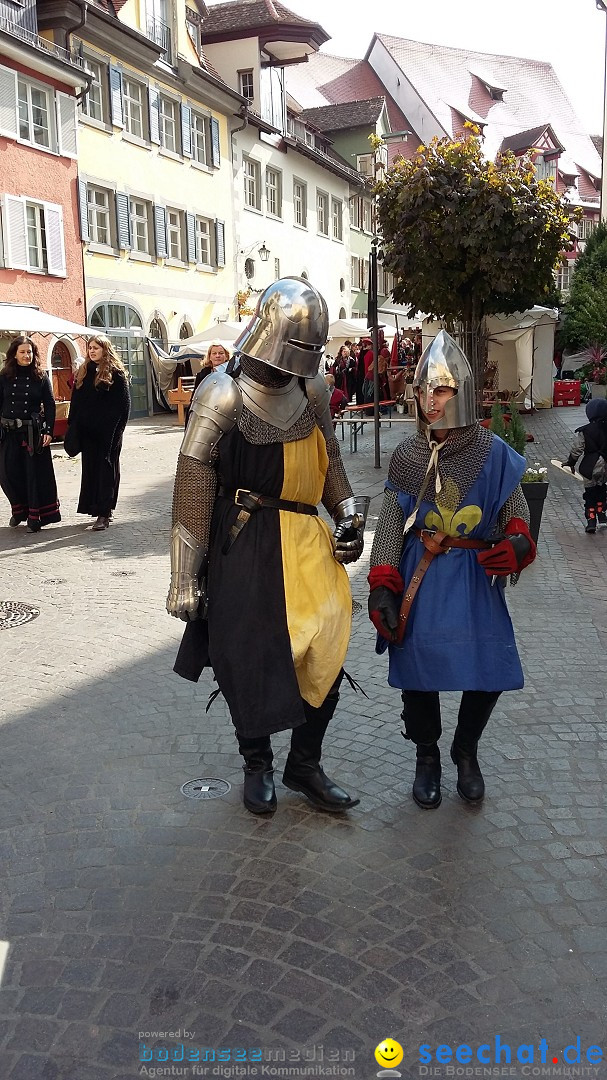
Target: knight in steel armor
[(250, 554), (454, 525)]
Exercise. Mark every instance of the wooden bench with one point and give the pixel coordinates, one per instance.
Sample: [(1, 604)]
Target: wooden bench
[(357, 425), (182, 395)]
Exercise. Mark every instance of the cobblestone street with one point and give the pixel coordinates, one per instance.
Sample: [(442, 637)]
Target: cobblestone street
[(130, 910)]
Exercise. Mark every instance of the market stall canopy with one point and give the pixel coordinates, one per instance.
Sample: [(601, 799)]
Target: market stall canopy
[(357, 328), (23, 318), (224, 333)]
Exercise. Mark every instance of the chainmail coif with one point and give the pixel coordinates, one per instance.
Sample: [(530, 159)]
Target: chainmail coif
[(259, 432), (461, 458)]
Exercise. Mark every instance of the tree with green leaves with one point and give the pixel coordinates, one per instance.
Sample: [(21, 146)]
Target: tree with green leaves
[(585, 316), (466, 237)]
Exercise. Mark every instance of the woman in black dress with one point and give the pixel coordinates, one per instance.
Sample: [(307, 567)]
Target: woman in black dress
[(27, 418), (99, 409)]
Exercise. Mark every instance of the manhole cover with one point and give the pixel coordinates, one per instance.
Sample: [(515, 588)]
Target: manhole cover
[(54, 581), (356, 607), (14, 614), (208, 787), (122, 573)]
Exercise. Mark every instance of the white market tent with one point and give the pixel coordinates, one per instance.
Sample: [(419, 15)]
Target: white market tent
[(25, 318), (522, 346)]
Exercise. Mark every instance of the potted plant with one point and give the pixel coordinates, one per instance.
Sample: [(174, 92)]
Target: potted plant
[(534, 481)]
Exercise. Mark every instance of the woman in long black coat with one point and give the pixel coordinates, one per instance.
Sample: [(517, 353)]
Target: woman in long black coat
[(99, 411), (27, 418)]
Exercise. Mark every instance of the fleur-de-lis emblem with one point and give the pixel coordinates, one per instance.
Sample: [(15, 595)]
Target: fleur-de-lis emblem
[(447, 518)]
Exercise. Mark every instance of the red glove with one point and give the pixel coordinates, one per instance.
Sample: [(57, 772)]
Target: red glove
[(384, 606), (512, 554), (386, 575)]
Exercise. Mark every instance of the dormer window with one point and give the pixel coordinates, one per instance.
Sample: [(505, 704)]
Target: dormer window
[(545, 168), (247, 86), (193, 22), (490, 83)]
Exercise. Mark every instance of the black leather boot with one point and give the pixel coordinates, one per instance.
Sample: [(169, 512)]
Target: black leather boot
[(259, 795), (470, 783), (303, 771), (426, 786), (474, 712)]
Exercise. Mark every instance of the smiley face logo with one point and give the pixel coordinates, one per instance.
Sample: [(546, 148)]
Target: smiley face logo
[(389, 1054)]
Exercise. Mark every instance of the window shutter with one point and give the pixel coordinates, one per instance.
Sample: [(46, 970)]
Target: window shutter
[(15, 232), (67, 125), (190, 222), (160, 231), (8, 103), (55, 247), (154, 102), (215, 142), (116, 96), (186, 130), (220, 243), (123, 221), (83, 209)]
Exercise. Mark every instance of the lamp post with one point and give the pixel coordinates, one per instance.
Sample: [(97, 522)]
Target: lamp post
[(602, 6), (264, 255)]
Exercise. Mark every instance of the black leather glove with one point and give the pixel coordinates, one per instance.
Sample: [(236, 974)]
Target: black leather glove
[(384, 610), (569, 464)]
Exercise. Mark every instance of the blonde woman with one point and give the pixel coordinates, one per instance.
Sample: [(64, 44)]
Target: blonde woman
[(99, 411), (216, 359)]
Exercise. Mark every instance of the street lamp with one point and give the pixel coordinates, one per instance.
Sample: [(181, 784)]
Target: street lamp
[(264, 253), (602, 6)]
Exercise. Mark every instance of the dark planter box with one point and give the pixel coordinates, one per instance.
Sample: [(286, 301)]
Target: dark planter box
[(535, 495)]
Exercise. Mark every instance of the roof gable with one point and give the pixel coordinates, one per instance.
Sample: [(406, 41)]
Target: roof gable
[(348, 114)]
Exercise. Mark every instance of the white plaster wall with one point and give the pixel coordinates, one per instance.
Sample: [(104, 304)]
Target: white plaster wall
[(325, 260), (424, 123)]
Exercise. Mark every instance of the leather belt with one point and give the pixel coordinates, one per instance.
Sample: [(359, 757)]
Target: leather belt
[(251, 501), (12, 425), (435, 543)]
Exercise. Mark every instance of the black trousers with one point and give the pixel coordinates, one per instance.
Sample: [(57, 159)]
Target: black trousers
[(422, 716)]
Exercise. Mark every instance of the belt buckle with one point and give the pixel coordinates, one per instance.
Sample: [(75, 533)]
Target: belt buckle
[(246, 491), (19, 422)]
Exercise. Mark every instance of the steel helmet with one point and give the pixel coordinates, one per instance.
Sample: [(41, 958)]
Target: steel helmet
[(444, 364), (290, 328)]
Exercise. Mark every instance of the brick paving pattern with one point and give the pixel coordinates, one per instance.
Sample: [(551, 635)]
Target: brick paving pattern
[(130, 908)]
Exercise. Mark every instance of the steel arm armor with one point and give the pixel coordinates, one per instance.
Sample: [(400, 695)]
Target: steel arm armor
[(215, 409)]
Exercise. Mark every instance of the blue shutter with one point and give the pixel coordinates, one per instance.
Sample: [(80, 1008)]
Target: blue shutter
[(190, 222), (83, 211), (123, 220), (186, 131), (215, 142), (154, 103), (220, 243), (160, 231), (116, 96)]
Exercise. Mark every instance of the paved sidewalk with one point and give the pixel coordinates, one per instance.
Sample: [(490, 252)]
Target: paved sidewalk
[(130, 910)]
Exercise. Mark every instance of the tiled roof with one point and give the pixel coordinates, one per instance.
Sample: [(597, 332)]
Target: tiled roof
[(239, 14), (336, 80), (349, 114), (534, 95), (523, 140), (598, 142)]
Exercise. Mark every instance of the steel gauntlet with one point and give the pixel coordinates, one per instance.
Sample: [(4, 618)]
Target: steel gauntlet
[(350, 516), (187, 556)]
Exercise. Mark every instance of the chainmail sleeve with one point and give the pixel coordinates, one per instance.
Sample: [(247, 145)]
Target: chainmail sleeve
[(388, 540), (515, 506), (194, 496), (337, 485)]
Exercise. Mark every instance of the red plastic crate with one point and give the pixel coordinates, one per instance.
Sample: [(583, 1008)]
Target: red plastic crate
[(567, 392)]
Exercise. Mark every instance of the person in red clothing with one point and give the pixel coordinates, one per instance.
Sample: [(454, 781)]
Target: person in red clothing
[(338, 400)]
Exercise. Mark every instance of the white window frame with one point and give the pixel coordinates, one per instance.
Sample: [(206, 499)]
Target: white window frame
[(50, 129), (364, 164), (199, 137), (586, 228), (367, 216), (300, 203), (167, 120), (246, 82), (175, 232), (337, 218), (546, 169), (276, 269), (273, 192), (96, 91), (251, 170), (564, 275), (130, 103), (96, 211), (322, 212), (139, 215), (39, 264), (204, 231)]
